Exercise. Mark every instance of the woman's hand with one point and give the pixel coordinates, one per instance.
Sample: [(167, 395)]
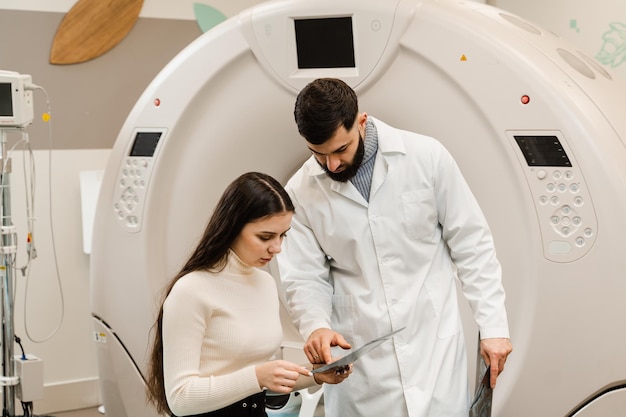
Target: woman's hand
[(279, 376)]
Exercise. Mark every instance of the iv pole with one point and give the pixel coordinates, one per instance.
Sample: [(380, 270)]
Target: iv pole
[(8, 380), (16, 103)]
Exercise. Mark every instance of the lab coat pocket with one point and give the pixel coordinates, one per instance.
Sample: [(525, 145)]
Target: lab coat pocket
[(420, 213), (343, 315)]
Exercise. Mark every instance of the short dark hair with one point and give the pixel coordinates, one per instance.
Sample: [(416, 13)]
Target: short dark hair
[(322, 107)]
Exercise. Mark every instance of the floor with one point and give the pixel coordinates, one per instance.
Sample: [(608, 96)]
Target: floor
[(87, 412)]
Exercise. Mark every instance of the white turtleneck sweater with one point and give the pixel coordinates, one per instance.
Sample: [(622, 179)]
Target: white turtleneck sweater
[(216, 328)]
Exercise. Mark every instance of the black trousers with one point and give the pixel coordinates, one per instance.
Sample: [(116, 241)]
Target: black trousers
[(252, 406)]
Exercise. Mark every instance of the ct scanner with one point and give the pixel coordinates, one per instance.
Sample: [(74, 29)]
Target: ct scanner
[(536, 126)]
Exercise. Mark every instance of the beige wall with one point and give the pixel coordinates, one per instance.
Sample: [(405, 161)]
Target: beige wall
[(89, 103), (52, 311), (91, 100)]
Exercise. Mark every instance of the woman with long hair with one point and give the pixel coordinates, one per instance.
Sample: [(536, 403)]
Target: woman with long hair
[(219, 324)]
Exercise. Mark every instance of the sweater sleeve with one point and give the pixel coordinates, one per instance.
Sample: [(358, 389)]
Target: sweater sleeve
[(186, 316)]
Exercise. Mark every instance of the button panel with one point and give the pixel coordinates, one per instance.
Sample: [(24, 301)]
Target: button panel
[(132, 182), (567, 218)]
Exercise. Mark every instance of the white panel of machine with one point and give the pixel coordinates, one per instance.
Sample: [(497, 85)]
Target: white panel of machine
[(534, 124), (596, 27), (89, 188)]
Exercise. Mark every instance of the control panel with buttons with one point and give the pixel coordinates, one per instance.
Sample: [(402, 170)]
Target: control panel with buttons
[(564, 207), (133, 178)]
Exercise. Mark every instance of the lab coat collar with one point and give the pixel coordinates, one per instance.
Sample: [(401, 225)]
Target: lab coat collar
[(389, 139), (389, 143), (347, 189)]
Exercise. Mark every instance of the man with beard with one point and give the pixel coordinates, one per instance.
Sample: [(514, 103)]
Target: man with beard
[(384, 221)]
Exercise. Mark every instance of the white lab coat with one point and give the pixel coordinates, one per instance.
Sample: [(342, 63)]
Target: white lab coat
[(365, 269)]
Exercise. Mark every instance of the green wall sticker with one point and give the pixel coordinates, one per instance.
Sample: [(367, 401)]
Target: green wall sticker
[(613, 50), (207, 16)]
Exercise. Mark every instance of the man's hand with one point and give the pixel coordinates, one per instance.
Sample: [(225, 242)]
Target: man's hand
[(494, 352), (317, 347), (332, 376)]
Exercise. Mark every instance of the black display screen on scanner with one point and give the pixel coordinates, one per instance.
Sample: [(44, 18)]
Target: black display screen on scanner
[(6, 100), (543, 151), (145, 143), (325, 43)]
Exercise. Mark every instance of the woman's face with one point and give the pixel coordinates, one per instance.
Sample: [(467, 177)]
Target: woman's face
[(259, 241)]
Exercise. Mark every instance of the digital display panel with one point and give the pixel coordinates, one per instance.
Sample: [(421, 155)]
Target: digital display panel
[(325, 43), (6, 100), (543, 151), (145, 143)]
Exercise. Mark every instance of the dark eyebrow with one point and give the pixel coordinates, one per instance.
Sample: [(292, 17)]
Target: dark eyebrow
[(267, 232), (338, 150)]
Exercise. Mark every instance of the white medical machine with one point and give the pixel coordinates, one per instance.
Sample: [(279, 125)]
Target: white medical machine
[(16, 99), (536, 126)]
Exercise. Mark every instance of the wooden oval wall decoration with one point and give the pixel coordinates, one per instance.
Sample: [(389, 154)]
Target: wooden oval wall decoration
[(91, 28)]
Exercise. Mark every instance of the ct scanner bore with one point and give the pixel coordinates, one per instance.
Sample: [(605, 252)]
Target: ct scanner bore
[(534, 124)]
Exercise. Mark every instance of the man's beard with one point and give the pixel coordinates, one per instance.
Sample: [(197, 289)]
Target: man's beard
[(349, 170)]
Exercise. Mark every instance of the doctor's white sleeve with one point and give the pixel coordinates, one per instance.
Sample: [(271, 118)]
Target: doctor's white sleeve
[(305, 277), (472, 248)]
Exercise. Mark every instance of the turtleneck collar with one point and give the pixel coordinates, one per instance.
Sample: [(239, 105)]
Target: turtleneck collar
[(370, 141), (235, 264)]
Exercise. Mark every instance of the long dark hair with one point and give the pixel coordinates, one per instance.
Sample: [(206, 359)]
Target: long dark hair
[(322, 107), (250, 197)]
